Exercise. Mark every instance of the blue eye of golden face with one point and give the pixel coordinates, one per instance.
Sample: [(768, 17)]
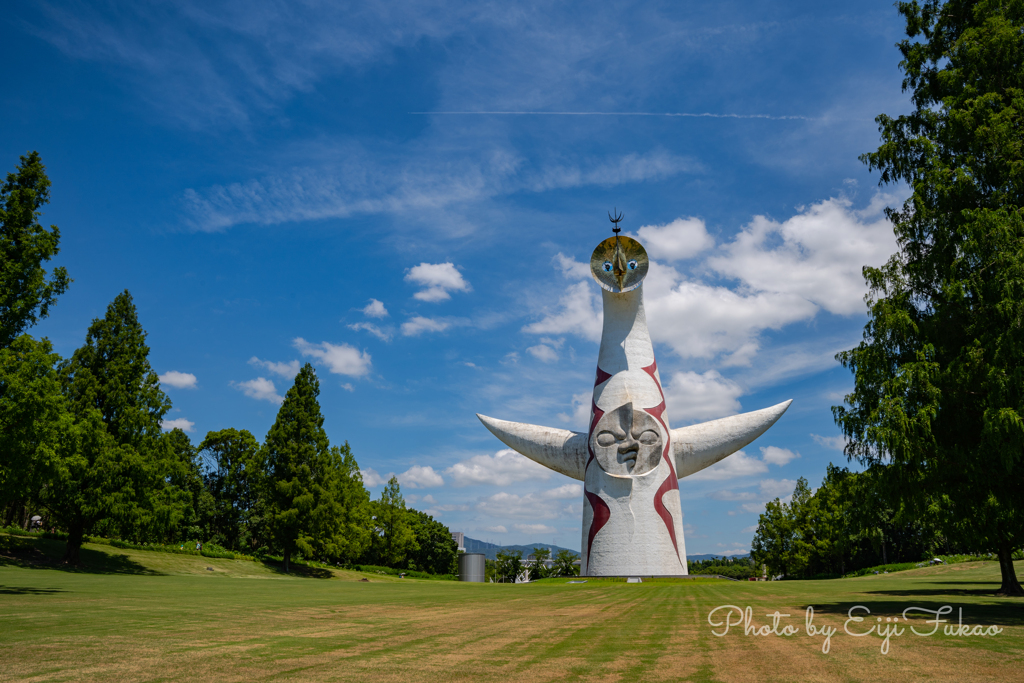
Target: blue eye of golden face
[(632, 265), (607, 266)]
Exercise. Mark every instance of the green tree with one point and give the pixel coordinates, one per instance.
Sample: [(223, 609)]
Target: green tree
[(393, 538), (26, 294), (436, 551), (938, 399), (354, 525), (539, 569), (781, 540), (508, 565), (565, 564), (33, 421), (303, 512), (186, 503), (233, 480), (115, 467)]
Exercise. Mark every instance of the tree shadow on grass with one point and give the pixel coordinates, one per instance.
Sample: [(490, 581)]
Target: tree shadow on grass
[(23, 590), (1008, 613), (297, 570), (42, 553)]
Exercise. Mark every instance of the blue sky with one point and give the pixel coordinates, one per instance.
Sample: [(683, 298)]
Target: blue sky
[(405, 195)]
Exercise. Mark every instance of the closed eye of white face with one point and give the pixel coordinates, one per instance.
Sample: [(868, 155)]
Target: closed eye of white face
[(605, 439), (649, 438)]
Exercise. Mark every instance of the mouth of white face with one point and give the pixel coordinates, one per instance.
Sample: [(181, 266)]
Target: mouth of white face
[(629, 459)]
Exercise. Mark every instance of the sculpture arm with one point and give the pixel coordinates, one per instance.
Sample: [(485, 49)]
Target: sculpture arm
[(699, 446), (558, 449)]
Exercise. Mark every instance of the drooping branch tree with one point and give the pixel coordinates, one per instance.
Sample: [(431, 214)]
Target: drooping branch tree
[(938, 399)]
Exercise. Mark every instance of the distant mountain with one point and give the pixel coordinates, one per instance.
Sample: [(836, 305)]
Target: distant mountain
[(490, 550), (693, 558)]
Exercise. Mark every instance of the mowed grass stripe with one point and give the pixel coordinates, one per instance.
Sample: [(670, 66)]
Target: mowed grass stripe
[(172, 620)]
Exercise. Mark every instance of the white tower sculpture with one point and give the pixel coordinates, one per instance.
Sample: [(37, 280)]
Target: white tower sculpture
[(630, 461)]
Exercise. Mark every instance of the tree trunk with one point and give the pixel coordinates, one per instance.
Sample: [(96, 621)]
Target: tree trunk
[(1010, 584), (287, 556), (74, 543), (11, 509)]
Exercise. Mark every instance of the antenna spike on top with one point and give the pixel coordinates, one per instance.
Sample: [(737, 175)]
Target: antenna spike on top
[(615, 220)]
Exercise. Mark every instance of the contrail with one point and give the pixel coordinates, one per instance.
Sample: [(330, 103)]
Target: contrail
[(707, 115)]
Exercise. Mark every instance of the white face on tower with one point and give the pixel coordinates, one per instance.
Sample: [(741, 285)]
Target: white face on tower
[(627, 441)]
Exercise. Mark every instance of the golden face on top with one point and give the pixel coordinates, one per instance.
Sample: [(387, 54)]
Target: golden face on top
[(619, 264)]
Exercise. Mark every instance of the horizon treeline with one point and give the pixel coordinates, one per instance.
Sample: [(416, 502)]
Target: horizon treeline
[(82, 444)]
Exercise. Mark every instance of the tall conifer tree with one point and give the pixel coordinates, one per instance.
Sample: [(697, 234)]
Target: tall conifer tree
[(26, 293), (938, 398), (302, 513), (116, 461)]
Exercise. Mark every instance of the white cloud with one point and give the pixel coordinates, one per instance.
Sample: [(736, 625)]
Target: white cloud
[(371, 478), (375, 309), (287, 370), (578, 312), (178, 423), (341, 359), (777, 456), (702, 321), (733, 495), (749, 530), (530, 506), (786, 273), (534, 528), (835, 442), (681, 239), (501, 469), (419, 477), (261, 389), (438, 279), (347, 386), (418, 325), (631, 168), (777, 488), (571, 268), (564, 492), (739, 464), (429, 180), (543, 353), (754, 501), (822, 252), (378, 332), (499, 529), (178, 380), (693, 397), (580, 416)]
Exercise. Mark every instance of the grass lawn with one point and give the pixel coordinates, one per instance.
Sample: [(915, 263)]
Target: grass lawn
[(133, 615)]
